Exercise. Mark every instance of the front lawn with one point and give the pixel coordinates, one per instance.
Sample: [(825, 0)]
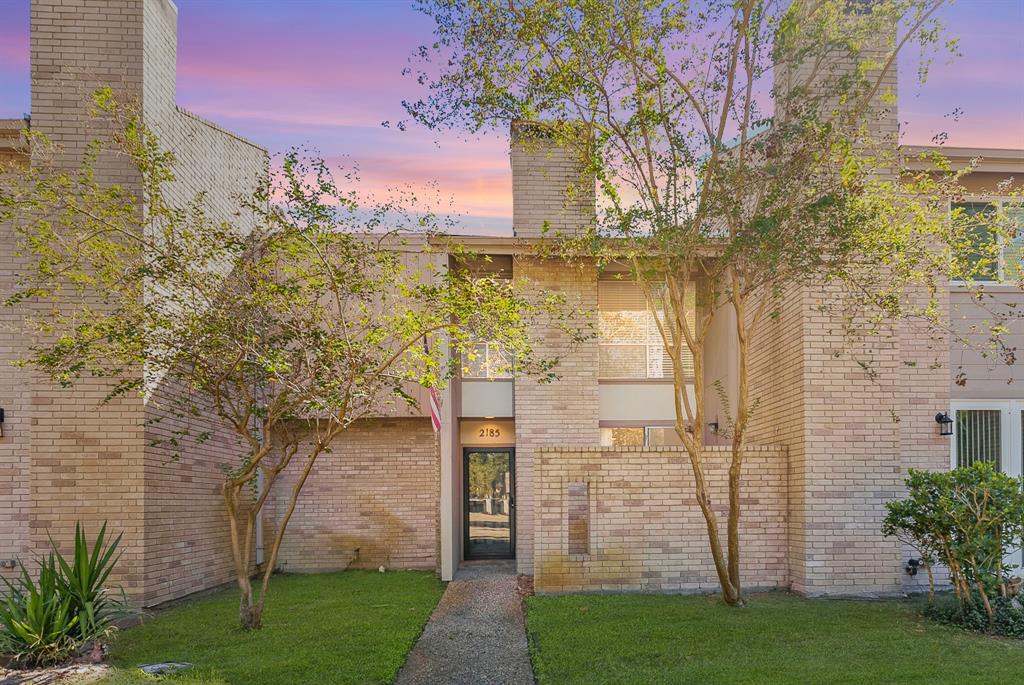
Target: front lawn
[(351, 627), (776, 639)]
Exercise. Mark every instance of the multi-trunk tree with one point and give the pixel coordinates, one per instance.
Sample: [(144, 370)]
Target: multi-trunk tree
[(740, 148), (280, 330)]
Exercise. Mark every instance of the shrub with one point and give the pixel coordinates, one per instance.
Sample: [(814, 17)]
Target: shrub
[(84, 582), (50, 620), (37, 623), (968, 519), (1008, 616)]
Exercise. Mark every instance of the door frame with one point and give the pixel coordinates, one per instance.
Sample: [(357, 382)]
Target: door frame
[(511, 451), (1011, 428)]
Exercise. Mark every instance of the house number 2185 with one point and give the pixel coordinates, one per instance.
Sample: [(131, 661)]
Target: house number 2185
[(490, 433)]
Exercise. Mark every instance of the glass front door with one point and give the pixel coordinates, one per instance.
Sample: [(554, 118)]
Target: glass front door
[(489, 503)]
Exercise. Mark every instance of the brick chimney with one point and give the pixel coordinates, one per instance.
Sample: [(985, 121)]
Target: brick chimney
[(550, 192), (78, 46), (876, 44)]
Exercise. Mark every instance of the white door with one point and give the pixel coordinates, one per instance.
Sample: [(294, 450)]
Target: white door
[(993, 431)]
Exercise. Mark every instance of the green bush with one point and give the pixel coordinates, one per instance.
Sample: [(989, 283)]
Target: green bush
[(51, 619), (1008, 616), (84, 581), (968, 519), (38, 625)]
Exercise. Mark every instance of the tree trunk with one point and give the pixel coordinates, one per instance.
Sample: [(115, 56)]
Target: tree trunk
[(730, 595), (250, 614), (733, 532)]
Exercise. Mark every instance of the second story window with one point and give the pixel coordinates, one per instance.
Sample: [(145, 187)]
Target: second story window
[(996, 256), (487, 361), (629, 342)]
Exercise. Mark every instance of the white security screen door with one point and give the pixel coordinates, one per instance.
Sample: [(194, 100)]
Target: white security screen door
[(992, 431)]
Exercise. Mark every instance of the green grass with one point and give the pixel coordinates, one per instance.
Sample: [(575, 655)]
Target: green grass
[(777, 639), (351, 627)]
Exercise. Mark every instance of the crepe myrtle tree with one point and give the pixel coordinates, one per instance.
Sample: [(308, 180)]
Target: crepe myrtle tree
[(737, 153), (284, 327)]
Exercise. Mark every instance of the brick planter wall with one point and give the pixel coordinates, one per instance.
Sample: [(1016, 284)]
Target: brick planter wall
[(638, 525)]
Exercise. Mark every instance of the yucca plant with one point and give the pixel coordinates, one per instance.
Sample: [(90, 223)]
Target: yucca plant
[(38, 625), (50, 620), (83, 581)]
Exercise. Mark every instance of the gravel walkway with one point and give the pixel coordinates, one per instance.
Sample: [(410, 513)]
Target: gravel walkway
[(477, 633)]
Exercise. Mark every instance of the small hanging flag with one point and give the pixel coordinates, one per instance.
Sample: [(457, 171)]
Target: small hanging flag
[(435, 410)]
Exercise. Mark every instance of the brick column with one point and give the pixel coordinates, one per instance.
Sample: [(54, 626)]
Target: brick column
[(847, 429), (85, 457), (561, 413)]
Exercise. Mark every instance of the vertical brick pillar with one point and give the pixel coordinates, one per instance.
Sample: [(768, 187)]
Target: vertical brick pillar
[(564, 412), (843, 428), (86, 457), (846, 427), (851, 458), (14, 385)]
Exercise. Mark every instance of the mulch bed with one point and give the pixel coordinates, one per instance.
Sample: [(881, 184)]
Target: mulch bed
[(78, 674)]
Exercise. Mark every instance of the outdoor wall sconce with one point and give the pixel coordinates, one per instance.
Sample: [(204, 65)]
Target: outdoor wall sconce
[(713, 427), (1, 422), (912, 566), (945, 423)]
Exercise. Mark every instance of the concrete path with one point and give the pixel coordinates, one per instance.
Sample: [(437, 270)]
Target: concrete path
[(477, 633)]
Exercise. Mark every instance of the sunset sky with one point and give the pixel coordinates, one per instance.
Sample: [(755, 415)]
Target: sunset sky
[(328, 73)]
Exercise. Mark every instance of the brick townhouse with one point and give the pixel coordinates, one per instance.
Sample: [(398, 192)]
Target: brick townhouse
[(581, 481)]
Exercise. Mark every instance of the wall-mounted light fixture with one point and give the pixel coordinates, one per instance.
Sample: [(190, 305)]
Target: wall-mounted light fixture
[(713, 427), (945, 423), (1, 422), (912, 566)]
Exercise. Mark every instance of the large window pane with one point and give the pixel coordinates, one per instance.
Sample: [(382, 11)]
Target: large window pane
[(983, 255), (978, 437), (658, 436), (622, 437), (647, 436), (629, 342), (487, 360)]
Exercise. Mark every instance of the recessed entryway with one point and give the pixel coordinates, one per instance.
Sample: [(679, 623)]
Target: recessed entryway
[(489, 502)]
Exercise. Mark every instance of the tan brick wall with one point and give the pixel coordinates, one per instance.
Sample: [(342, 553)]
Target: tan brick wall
[(186, 535), (852, 459), (84, 461), (372, 501), (777, 395), (564, 412), (843, 426), (14, 458), (851, 437), (68, 456), (646, 531), (923, 391)]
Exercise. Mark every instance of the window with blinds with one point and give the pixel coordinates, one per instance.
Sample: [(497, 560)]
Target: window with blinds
[(629, 342), (978, 437)]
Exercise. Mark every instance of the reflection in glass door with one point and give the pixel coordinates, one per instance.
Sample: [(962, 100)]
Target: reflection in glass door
[(489, 503)]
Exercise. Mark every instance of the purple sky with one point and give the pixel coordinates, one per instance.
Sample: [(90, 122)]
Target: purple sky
[(328, 73)]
